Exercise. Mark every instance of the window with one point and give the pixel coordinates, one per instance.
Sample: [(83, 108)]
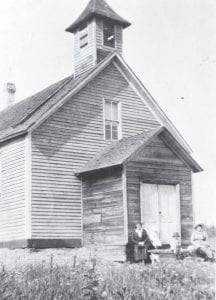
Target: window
[(112, 120), (109, 34), (83, 36)]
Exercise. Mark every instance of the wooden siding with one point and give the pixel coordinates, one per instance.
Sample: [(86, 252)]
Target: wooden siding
[(99, 32), (158, 151), (12, 198), (118, 37), (156, 163), (101, 54), (85, 58), (103, 215), (67, 141)]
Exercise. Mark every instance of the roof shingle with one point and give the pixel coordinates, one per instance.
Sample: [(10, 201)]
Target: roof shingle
[(14, 115), (21, 115), (118, 152), (97, 8)]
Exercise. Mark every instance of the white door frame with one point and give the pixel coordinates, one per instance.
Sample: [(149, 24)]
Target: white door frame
[(178, 204)]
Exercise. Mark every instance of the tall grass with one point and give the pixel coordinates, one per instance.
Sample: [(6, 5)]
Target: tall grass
[(89, 279)]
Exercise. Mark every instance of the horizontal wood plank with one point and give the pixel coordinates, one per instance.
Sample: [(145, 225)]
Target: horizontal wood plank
[(12, 197), (139, 169), (73, 136)]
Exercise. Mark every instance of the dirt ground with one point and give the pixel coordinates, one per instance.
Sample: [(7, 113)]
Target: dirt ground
[(18, 257)]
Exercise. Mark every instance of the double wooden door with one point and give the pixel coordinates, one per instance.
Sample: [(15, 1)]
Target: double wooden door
[(160, 210)]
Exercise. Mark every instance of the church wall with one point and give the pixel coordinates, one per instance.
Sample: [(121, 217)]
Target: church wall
[(66, 142), (12, 190)]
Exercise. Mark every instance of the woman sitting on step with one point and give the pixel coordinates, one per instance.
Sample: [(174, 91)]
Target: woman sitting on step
[(142, 244), (200, 244)]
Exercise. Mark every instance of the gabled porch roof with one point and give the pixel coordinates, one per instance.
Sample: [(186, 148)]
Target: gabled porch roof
[(119, 152)]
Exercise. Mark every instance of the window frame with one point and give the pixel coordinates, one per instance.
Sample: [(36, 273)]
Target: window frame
[(119, 121), (83, 33), (105, 46)]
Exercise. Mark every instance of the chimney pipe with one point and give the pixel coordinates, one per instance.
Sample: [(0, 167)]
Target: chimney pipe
[(10, 89)]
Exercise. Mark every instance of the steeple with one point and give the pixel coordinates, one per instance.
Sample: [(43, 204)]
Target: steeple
[(97, 32)]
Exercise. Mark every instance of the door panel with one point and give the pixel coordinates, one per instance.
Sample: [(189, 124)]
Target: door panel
[(160, 210), (149, 207), (168, 212)]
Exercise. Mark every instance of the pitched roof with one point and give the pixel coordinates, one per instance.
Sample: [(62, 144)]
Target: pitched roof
[(16, 119), (121, 151), (97, 8), (117, 152), (14, 115), (29, 113)]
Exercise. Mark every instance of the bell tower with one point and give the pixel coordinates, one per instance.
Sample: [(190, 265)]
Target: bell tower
[(97, 32)]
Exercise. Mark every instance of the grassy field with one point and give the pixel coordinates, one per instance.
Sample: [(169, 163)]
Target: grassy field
[(77, 274)]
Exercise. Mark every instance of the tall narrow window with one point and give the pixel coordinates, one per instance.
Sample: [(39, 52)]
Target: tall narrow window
[(109, 34), (83, 36), (112, 124)]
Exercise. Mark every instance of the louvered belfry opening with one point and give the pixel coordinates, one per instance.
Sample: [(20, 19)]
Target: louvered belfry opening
[(83, 35), (98, 31)]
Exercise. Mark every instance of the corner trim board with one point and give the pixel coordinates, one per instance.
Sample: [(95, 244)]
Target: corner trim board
[(125, 205), (28, 185), (192, 198), (82, 222), (94, 41), (179, 208)]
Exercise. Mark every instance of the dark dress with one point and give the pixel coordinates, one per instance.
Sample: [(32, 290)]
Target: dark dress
[(140, 252)]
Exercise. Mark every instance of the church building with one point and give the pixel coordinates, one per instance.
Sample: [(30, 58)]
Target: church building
[(86, 158)]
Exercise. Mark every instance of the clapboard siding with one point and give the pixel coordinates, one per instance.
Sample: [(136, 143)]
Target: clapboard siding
[(84, 58), (167, 168), (103, 215), (101, 54), (99, 32), (119, 38), (158, 151), (69, 139), (12, 191)]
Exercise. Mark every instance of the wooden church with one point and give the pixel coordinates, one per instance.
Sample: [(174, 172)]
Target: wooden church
[(86, 158)]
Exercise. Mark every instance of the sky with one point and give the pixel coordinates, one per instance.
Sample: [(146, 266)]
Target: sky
[(171, 46)]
